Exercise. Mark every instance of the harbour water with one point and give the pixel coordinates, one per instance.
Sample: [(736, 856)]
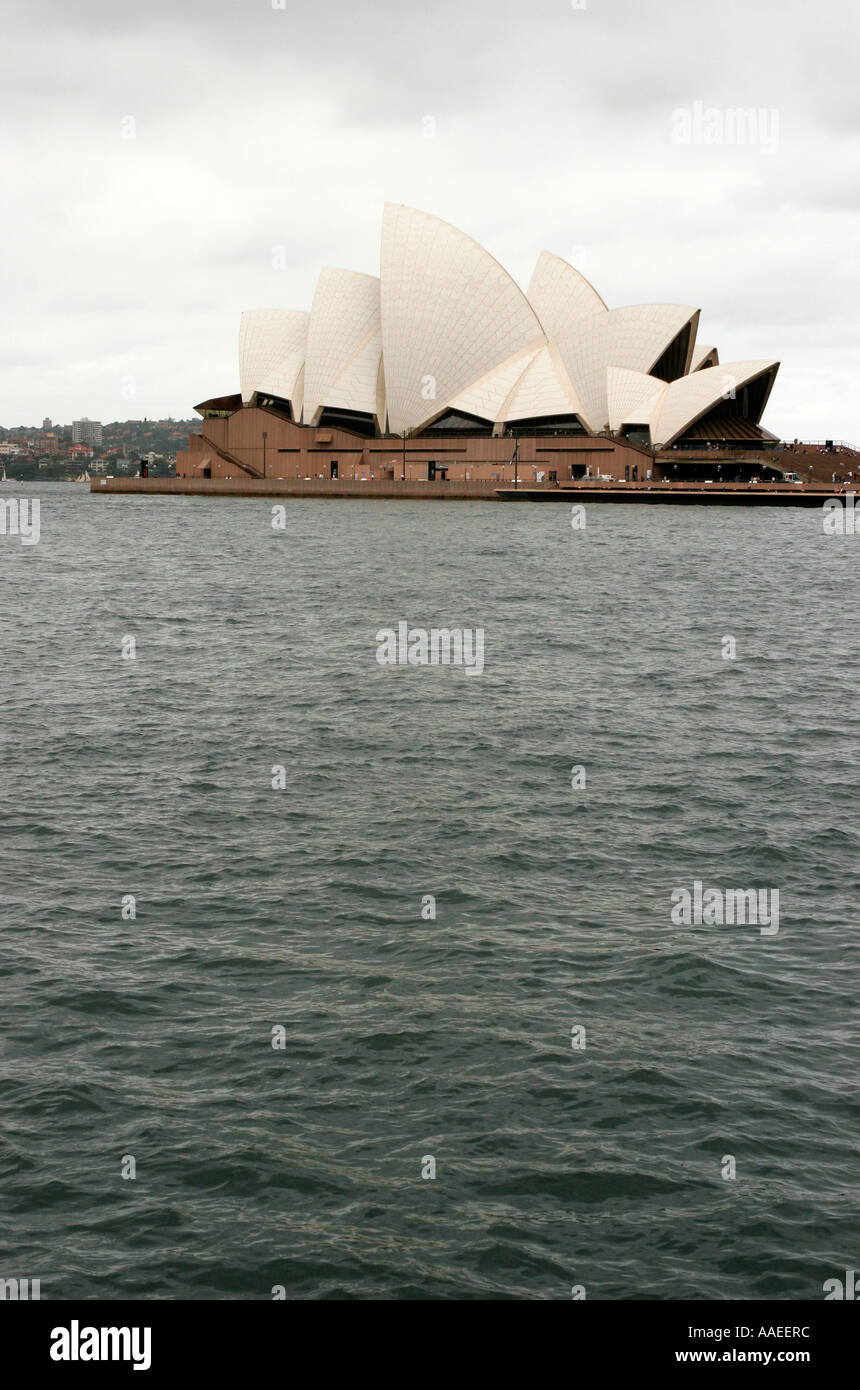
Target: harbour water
[(286, 1031)]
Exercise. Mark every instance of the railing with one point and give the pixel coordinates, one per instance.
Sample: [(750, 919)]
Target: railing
[(816, 444)]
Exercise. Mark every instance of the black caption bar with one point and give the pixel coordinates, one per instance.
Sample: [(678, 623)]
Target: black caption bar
[(152, 1341)]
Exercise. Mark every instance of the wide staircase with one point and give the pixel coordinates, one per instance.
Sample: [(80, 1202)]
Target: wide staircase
[(817, 461), (228, 457)]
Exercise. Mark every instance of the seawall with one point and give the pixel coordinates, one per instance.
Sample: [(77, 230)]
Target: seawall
[(301, 487), (716, 494)]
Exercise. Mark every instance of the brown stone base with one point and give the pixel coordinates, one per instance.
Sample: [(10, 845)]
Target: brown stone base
[(260, 443)]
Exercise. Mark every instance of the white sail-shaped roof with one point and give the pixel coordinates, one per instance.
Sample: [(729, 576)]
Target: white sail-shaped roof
[(271, 351), (704, 357), (634, 398), (527, 386), (450, 314), (543, 389), (487, 396), (562, 297), (690, 397), (634, 337), (344, 343), (445, 327), (355, 387)]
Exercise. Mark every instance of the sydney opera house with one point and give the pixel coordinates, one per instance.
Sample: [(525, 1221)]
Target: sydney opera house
[(441, 368)]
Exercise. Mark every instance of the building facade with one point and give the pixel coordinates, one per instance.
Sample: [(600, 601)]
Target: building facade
[(87, 432)]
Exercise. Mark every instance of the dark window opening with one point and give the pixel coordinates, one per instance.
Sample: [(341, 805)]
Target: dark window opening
[(354, 421), (673, 361), (637, 434), (547, 424), (458, 422), (278, 404), (718, 470)]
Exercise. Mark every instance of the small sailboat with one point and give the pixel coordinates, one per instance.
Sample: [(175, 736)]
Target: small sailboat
[(83, 477)]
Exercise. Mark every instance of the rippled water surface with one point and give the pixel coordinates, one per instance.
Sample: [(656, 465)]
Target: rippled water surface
[(300, 908)]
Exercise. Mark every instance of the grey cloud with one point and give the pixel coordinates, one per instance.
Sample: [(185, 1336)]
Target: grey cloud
[(258, 127)]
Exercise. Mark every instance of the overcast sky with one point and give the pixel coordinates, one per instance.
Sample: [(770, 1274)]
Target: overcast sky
[(154, 154)]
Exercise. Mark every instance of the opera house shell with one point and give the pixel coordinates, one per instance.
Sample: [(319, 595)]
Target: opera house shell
[(444, 345)]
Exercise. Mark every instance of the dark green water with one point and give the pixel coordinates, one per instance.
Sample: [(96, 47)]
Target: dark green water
[(301, 907)]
